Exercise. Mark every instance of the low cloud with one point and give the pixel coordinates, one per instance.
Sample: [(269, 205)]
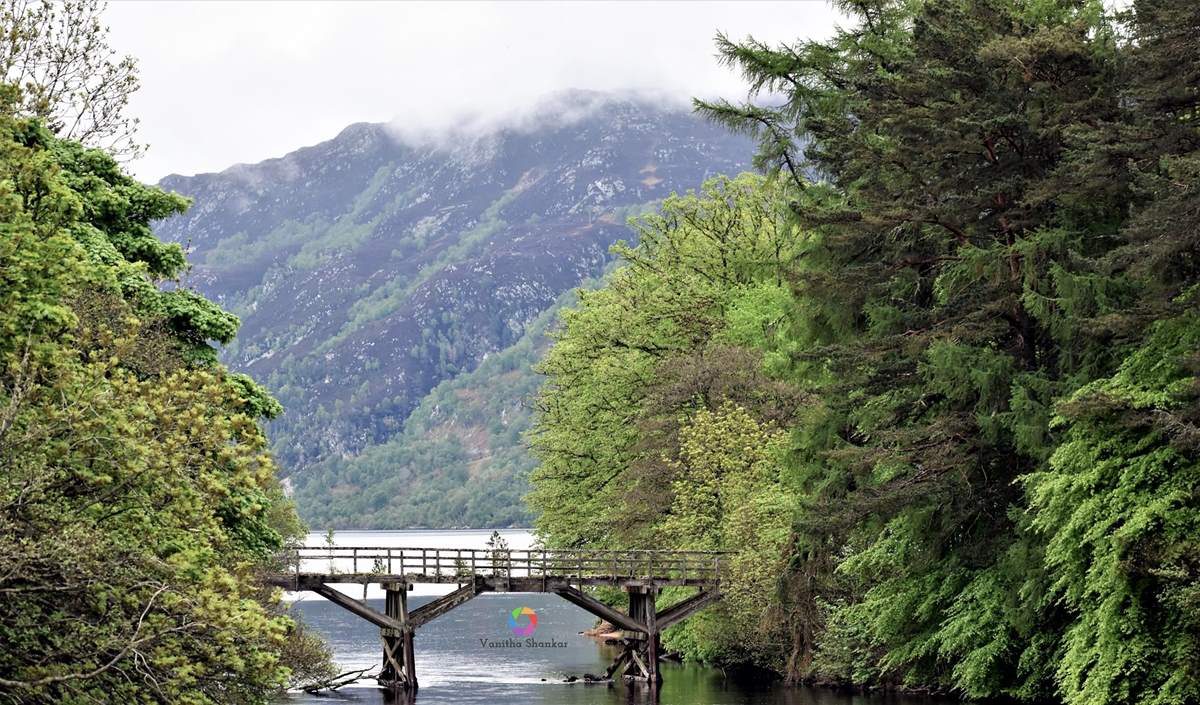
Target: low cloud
[(233, 82), (556, 109)]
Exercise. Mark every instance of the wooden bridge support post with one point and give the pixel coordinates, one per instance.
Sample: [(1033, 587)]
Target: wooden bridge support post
[(645, 653), (653, 638), (399, 666)]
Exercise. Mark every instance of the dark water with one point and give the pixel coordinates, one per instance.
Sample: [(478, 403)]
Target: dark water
[(453, 667)]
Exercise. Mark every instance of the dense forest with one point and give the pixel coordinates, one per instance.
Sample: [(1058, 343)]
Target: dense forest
[(137, 497), (932, 379)]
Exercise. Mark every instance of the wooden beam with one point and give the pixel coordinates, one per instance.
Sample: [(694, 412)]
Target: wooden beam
[(685, 609), (618, 665), (600, 609), (436, 608), (640, 664), (652, 638), (392, 672), (410, 659), (349, 603)]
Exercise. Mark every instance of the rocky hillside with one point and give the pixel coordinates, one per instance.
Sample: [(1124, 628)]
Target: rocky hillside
[(370, 269)]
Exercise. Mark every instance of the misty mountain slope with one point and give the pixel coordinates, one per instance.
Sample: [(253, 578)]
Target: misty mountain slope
[(368, 269)]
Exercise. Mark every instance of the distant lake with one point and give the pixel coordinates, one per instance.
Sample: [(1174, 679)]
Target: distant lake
[(454, 668)]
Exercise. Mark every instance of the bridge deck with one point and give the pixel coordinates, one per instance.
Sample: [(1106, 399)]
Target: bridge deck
[(511, 570)]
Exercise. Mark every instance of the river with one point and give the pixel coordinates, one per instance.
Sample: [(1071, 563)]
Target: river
[(453, 666)]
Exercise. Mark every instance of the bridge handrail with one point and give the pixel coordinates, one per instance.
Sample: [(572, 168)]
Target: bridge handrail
[(532, 562)]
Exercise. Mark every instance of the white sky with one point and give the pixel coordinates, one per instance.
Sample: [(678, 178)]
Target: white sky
[(229, 82)]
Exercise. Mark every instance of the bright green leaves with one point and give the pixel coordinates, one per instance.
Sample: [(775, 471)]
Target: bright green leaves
[(658, 426), (706, 271), (758, 318), (136, 490), (121, 207), (726, 495), (1120, 514), (196, 320), (725, 456), (114, 229), (257, 402)]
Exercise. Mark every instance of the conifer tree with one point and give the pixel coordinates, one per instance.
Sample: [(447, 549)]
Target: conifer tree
[(946, 274), (990, 324)]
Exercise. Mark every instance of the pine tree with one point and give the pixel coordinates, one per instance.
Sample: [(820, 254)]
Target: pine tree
[(1117, 505), (989, 323), (944, 284)]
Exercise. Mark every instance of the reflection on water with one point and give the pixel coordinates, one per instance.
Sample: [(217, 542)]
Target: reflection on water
[(453, 666)]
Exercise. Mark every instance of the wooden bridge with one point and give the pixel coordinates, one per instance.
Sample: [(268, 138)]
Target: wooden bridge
[(641, 574)]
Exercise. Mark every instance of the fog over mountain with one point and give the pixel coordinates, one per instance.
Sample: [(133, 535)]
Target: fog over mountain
[(248, 81), (374, 267)]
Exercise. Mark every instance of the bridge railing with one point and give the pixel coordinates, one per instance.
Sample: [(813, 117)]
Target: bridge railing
[(447, 564)]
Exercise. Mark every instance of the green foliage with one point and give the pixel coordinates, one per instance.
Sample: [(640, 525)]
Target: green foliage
[(57, 54), (1120, 515), (656, 429), (659, 315), (727, 495), (137, 494), (979, 335)]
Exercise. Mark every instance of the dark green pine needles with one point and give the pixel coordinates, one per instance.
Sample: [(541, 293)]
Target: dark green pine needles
[(966, 413)]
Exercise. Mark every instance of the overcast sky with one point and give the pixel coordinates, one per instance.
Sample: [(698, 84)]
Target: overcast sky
[(233, 82)]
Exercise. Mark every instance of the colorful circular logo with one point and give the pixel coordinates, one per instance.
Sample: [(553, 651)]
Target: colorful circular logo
[(514, 621)]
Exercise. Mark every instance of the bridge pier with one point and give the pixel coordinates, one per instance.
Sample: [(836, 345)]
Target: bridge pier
[(399, 666), (645, 647)]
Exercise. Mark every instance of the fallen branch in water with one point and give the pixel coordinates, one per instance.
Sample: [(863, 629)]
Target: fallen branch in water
[(337, 681)]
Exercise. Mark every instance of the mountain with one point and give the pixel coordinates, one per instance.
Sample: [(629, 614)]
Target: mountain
[(373, 270)]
